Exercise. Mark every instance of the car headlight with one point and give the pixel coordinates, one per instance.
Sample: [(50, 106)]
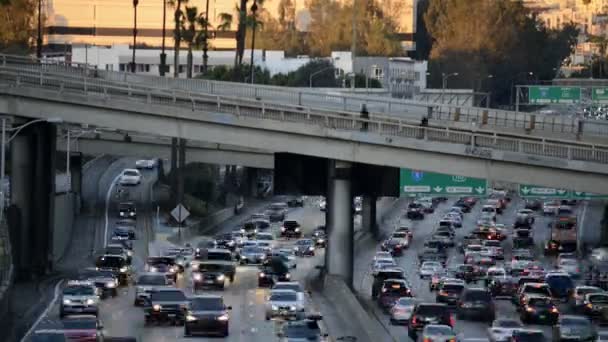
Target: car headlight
[(243, 231), (287, 276), (321, 240), (156, 307), (172, 269), (67, 302), (230, 243), (90, 301), (292, 308), (223, 317), (311, 248), (190, 318), (123, 269), (262, 274), (197, 276), (111, 284), (153, 269), (131, 214), (130, 253), (297, 230), (274, 307), (282, 229), (295, 248), (221, 277), (263, 257), (255, 231), (122, 214)]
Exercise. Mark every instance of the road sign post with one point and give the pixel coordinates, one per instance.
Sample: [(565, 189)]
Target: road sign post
[(415, 182), (180, 214)]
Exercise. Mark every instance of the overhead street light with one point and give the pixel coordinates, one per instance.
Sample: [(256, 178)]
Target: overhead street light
[(316, 73)]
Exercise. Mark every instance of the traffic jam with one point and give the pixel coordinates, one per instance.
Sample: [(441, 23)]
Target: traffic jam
[(491, 277), (183, 286)]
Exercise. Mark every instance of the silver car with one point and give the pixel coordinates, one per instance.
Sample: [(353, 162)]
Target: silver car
[(295, 286), (502, 329), (146, 283), (438, 333), (282, 304), (401, 312), (252, 255)]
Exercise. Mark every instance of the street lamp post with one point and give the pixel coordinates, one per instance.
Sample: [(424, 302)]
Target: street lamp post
[(513, 79), (254, 8), (39, 38), (444, 83), (135, 3), (316, 73), (163, 55)]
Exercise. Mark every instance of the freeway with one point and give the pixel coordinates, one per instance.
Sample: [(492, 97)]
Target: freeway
[(423, 230)]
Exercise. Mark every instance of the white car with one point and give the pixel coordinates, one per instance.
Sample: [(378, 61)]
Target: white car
[(381, 264), (489, 210), (382, 255), (295, 286), (502, 329), (291, 257), (266, 237), (145, 164), (580, 292), (283, 304), (401, 312), (322, 205), (429, 268), (130, 177), (570, 266), (550, 207)]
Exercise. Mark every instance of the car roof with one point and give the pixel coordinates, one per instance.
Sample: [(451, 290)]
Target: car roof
[(283, 291)]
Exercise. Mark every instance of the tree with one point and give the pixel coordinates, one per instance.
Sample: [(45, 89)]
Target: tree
[(601, 42), (191, 35), (422, 38), (177, 36), (241, 32), (225, 22), (17, 25)]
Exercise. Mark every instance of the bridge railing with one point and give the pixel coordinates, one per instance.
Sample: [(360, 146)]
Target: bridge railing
[(480, 143), (409, 109)]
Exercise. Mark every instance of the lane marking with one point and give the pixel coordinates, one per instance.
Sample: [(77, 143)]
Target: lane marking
[(45, 312), (107, 211)]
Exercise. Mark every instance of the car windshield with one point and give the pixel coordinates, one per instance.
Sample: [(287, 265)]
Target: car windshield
[(210, 268), (431, 310), (400, 235), (452, 287), (219, 256), (543, 302), (126, 206), (290, 224), (276, 207), (304, 242), (206, 244), (110, 261), (79, 324), (283, 296), (477, 296), (48, 337), (264, 237), (207, 304), (252, 250), (537, 289), (575, 322), (438, 330), (528, 336), (96, 274), (168, 296), (130, 173), (565, 225), (114, 250), (508, 324), (598, 299), (559, 282), (79, 290), (152, 280), (295, 287)]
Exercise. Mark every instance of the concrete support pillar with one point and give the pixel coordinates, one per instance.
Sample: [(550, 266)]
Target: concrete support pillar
[(368, 215), (251, 182), (173, 180), (180, 170), (339, 216), (32, 180), (76, 178)]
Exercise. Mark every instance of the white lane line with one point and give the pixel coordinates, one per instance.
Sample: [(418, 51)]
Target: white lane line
[(107, 211), (45, 312)]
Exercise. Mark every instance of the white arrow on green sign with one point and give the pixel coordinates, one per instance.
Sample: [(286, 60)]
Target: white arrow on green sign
[(415, 182)]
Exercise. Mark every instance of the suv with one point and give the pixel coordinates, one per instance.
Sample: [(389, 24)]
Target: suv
[(216, 260), (127, 210), (291, 228), (168, 304), (381, 276), (428, 313), (449, 292), (117, 264), (146, 284), (207, 314), (476, 303), (79, 297), (532, 288), (415, 211)]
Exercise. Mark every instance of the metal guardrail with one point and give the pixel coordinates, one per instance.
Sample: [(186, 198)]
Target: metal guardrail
[(407, 109), (480, 143)]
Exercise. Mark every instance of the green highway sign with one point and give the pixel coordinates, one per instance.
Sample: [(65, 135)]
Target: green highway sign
[(599, 95), (553, 94), (587, 195), (415, 182), (527, 190)]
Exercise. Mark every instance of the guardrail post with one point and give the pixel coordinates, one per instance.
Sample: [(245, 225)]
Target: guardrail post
[(40, 77), (86, 88), (299, 98), (61, 86), (425, 132), (174, 96), (282, 115), (519, 149), (569, 152), (219, 106), (264, 109), (238, 110), (532, 122), (255, 92), (129, 87), (544, 146), (307, 113), (3, 60), (495, 138), (457, 114), (211, 87), (484, 117), (389, 106), (472, 140), (344, 103), (193, 103), (149, 97)]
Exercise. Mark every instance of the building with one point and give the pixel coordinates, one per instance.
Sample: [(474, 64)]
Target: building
[(402, 76), (110, 22)]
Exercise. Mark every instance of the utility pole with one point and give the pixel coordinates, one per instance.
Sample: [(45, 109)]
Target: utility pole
[(254, 9), (135, 3), (353, 44), (163, 55), (39, 38), (206, 43)]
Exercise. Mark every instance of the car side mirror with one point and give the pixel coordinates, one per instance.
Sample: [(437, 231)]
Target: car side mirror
[(229, 307), (99, 326)]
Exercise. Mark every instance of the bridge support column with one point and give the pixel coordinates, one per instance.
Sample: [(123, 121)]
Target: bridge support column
[(76, 178), (173, 172), (180, 170), (368, 215), (251, 182), (339, 221), (32, 181)]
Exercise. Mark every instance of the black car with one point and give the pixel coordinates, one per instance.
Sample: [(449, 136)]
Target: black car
[(295, 202), (209, 275), (163, 264), (503, 286), (116, 264), (123, 233), (449, 293), (166, 305), (533, 204), (538, 309), (207, 315), (391, 291), (291, 229), (274, 270), (464, 205), (225, 241), (476, 303), (383, 275), (561, 285), (574, 328), (119, 249), (466, 272), (304, 247), (105, 281), (320, 238), (428, 313), (415, 211), (302, 330), (127, 210), (527, 335)]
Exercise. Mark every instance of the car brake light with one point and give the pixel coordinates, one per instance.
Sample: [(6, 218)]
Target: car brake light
[(554, 310), (452, 321), (443, 293), (414, 320), (426, 339)]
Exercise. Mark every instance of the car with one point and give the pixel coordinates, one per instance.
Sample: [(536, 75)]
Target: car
[(249, 229), (290, 255), (295, 286), (424, 314), (476, 303), (382, 264), (216, 260), (602, 336), (282, 304), (252, 254), (145, 164), (455, 210), (239, 237), (277, 211), (402, 310), (117, 264), (524, 218), (570, 266), (533, 204), (490, 211), (79, 297), (320, 238), (538, 309), (446, 238), (119, 249), (466, 272), (595, 304), (502, 329), (574, 328), (266, 237), (495, 249), (503, 287), (405, 229), (391, 290), (381, 276), (105, 281), (204, 245), (427, 204), (531, 288), (269, 275), (81, 327), (561, 285), (454, 218), (528, 335), (497, 203), (449, 292), (415, 211), (127, 210), (429, 268), (291, 229), (183, 257), (463, 205), (522, 238), (304, 247), (294, 202), (226, 241), (302, 330), (438, 333), (578, 295), (166, 305), (550, 207), (209, 274), (146, 283), (162, 264), (393, 246), (130, 177), (322, 205), (207, 315)]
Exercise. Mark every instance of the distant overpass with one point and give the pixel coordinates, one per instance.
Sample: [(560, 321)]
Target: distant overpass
[(160, 147), (308, 131)]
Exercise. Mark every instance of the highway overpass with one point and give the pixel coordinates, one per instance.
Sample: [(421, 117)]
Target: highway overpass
[(308, 131), (139, 145)]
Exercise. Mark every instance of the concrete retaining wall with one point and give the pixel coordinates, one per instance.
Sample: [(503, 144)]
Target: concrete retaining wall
[(65, 209)]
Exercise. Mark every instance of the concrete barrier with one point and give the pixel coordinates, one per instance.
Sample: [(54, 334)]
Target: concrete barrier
[(65, 209)]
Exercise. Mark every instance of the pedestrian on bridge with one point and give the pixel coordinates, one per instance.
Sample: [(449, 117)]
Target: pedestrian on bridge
[(364, 116)]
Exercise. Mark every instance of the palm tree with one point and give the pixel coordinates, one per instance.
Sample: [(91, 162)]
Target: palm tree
[(602, 45), (225, 22), (177, 36), (190, 34), (241, 33)]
